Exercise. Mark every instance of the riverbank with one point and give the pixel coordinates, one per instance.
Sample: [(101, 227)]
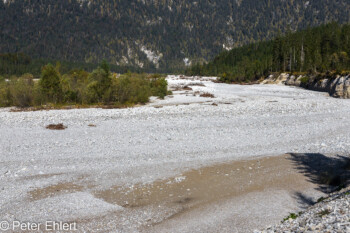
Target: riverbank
[(335, 85)]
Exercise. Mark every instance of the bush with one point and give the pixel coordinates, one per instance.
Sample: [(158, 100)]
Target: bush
[(132, 88), (80, 87), (304, 80), (21, 91), (5, 94), (159, 86), (100, 87), (74, 87)]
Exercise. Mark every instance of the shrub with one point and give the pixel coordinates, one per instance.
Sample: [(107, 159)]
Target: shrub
[(100, 87), (74, 86), (5, 95), (132, 89), (159, 86), (91, 93), (304, 80), (80, 87), (21, 90)]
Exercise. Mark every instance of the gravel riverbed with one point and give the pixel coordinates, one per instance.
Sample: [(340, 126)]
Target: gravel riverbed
[(157, 141), (330, 215)]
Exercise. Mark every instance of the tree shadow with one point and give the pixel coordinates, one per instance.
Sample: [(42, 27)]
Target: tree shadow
[(330, 173), (303, 199)]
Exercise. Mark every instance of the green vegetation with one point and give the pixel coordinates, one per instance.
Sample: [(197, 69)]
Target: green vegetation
[(320, 49), (292, 216), (86, 31), (20, 63), (78, 87), (323, 213), (321, 199), (304, 80)]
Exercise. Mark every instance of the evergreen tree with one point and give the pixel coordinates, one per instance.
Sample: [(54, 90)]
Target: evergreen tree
[(50, 84)]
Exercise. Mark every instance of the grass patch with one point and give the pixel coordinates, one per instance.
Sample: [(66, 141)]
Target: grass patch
[(323, 213), (320, 199), (291, 216)]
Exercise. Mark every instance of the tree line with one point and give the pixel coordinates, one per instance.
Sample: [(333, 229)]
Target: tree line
[(314, 50), (20, 63), (79, 87)]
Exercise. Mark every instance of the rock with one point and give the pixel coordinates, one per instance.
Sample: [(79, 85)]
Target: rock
[(338, 204), (338, 86), (269, 80), (290, 80), (346, 92), (282, 78), (342, 87)]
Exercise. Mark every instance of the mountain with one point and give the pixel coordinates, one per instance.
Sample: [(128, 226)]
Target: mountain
[(156, 35)]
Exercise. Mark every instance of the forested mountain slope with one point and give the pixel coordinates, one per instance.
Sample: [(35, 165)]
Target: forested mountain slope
[(314, 50), (162, 35)]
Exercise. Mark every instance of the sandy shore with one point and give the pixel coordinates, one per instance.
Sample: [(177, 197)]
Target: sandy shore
[(120, 174)]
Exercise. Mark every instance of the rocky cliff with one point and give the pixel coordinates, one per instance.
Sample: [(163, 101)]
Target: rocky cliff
[(336, 85)]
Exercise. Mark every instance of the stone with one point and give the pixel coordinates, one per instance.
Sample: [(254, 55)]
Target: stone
[(338, 87)]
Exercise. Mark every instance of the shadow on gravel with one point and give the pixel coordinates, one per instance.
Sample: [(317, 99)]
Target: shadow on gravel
[(329, 173), (303, 199)]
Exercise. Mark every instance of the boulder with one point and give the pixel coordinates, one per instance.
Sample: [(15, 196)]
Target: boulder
[(276, 79), (282, 78), (269, 80), (342, 87)]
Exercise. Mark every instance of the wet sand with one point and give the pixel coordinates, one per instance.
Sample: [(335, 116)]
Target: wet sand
[(212, 183), (243, 196)]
